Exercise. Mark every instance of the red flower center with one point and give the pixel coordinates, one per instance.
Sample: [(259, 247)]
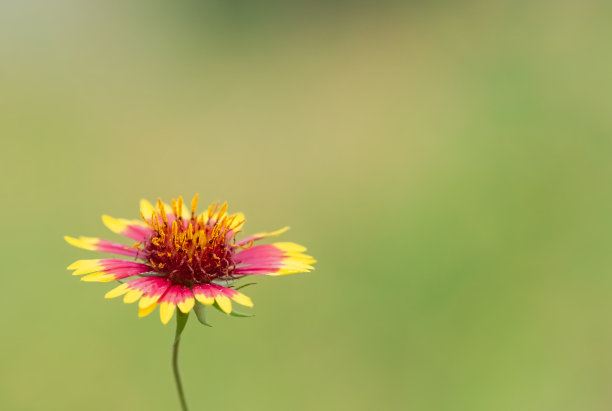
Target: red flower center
[(195, 250)]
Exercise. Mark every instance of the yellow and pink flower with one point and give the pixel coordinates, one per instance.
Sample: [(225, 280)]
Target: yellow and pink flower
[(181, 257)]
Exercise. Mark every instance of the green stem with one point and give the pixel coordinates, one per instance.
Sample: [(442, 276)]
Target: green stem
[(181, 320)]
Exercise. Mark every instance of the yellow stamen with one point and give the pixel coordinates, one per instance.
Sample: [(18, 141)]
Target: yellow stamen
[(174, 231), (222, 211), (190, 232), (152, 221), (179, 207), (211, 210), (162, 211), (179, 240), (174, 207), (194, 204), (244, 246)]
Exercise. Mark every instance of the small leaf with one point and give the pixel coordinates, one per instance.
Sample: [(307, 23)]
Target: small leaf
[(200, 310), (244, 285), (239, 314), (181, 321), (224, 283), (233, 313)]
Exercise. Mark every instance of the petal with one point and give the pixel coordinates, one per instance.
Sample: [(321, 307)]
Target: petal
[(290, 247), (166, 311), (259, 236), (132, 296), (107, 269), (96, 244), (224, 303), (234, 295), (117, 291), (153, 289), (208, 293), (273, 259), (135, 229), (147, 209), (242, 299), (272, 251), (185, 301), (237, 221), (204, 294), (169, 301), (98, 277), (85, 266), (150, 288), (143, 312)]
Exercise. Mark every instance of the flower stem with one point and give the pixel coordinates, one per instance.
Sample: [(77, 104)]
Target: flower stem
[(181, 320)]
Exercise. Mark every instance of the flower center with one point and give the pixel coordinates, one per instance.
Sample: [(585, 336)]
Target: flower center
[(193, 250)]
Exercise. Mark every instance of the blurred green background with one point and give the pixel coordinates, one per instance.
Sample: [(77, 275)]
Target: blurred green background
[(447, 163)]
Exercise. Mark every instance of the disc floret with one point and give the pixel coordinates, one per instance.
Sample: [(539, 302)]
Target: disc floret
[(192, 249)]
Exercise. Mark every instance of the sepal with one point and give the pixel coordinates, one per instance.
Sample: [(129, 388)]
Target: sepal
[(233, 313), (200, 311), (181, 322), (243, 286)]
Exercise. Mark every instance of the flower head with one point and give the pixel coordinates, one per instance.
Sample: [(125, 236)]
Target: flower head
[(181, 256)]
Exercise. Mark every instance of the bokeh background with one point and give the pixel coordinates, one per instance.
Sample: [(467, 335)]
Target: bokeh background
[(448, 163)]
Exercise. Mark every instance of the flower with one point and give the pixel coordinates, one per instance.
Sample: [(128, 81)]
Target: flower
[(180, 257)]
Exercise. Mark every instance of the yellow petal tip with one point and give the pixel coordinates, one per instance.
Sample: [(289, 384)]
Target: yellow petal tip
[(117, 291), (224, 303), (166, 311)]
